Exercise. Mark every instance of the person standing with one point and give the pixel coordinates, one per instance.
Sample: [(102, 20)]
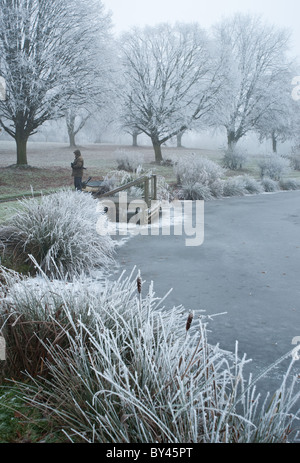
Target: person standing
[(77, 170)]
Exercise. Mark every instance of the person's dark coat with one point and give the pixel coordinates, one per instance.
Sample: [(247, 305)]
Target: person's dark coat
[(77, 165)]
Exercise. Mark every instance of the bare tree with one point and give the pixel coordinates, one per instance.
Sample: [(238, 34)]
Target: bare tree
[(170, 80), (76, 119), (134, 133), (280, 121), (45, 49), (253, 56), (100, 83)]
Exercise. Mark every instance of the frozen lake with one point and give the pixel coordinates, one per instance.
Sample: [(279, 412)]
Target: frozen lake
[(248, 266)]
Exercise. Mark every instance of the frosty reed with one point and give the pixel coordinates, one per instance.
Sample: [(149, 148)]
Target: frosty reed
[(157, 218)]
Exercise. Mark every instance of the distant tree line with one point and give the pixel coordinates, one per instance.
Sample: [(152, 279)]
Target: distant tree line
[(59, 59)]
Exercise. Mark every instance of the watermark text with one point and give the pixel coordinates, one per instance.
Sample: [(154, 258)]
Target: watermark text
[(2, 89), (177, 218), (296, 89), (2, 348)]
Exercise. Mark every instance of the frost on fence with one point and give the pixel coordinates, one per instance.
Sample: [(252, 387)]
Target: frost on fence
[(2, 89)]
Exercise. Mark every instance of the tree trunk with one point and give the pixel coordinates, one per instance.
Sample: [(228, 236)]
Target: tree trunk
[(179, 139), (231, 141), (71, 138), (157, 150), (21, 142), (70, 121), (274, 143), (134, 139)]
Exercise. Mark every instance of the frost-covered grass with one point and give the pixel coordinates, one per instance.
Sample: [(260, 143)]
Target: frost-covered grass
[(195, 191), (269, 185), (234, 186), (29, 306), (200, 178), (60, 232), (251, 185), (17, 181), (241, 185), (133, 370), (7, 209), (18, 422), (289, 184)]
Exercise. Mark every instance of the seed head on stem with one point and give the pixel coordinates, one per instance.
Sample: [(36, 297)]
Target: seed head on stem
[(189, 321)]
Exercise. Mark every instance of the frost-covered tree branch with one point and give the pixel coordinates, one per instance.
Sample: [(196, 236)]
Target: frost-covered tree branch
[(254, 57), (170, 80)]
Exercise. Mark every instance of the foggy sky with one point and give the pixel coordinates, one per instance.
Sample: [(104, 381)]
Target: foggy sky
[(127, 13)]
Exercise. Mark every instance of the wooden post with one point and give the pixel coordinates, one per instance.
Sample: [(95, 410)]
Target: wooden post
[(147, 191), (154, 187)]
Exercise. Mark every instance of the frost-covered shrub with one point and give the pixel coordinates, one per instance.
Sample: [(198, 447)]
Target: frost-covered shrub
[(135, 373), (164, 191), (234, 186), (32, 314), (241, 185), (199, 177), (194, 168), (274, 166), (295, 158), (117, 178), (234, 159), (289, 184), (295, 162), (269, 185), (31, 311), (107, 184), (195, 191), (251, 185), (128, 161), (61, 232)]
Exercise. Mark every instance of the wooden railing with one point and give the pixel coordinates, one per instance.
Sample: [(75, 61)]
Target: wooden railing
[(150, 188)]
